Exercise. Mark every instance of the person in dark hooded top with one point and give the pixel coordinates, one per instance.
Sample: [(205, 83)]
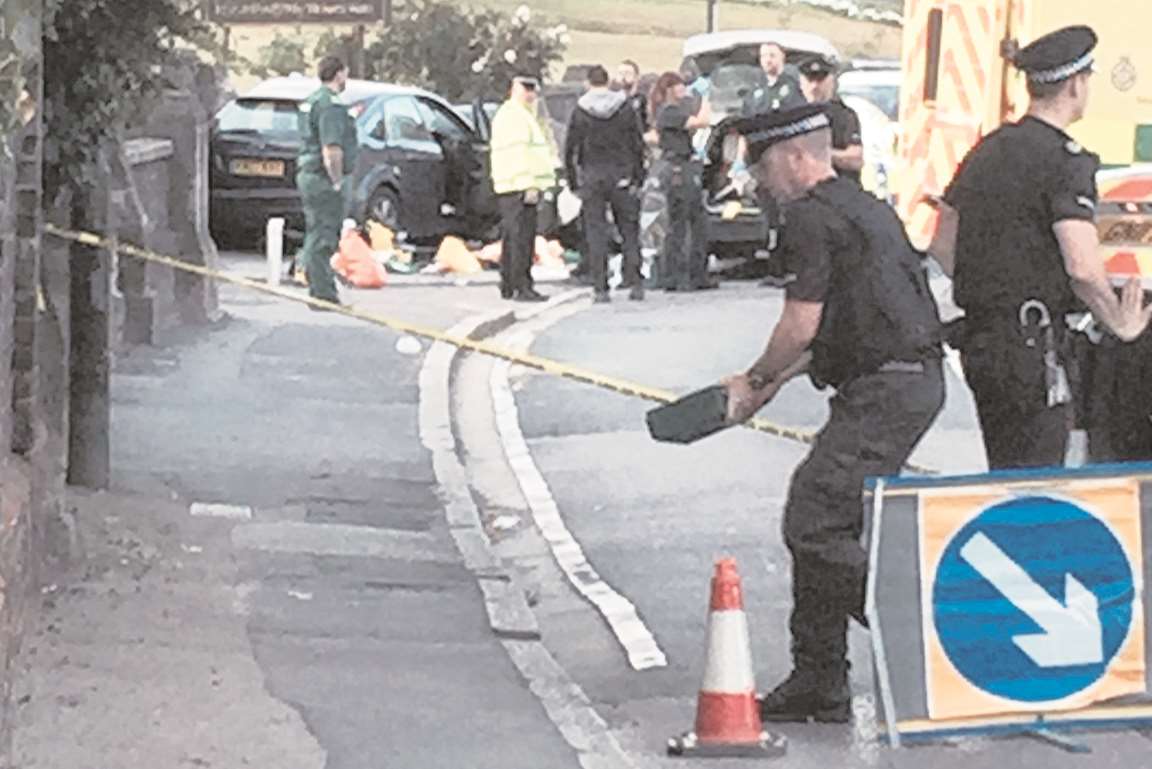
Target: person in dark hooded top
[(604, 160)]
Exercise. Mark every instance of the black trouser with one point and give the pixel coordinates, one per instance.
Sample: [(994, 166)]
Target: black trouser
[(1007, 382), (518, 230), (1118, 400), (874, 424), (599, 190), (685, 260)]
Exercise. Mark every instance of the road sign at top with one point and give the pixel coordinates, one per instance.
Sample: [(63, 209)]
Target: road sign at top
[(1032, 600), (293, 11)]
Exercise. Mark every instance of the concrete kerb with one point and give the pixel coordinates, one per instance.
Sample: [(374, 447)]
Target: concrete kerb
[(509, 615), (508, 612)]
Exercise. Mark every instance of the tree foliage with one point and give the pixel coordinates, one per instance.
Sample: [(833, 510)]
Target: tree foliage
[(283, 55), (102, 62), (461, 53)]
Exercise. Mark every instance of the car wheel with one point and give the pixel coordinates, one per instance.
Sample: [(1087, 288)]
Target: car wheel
[(384, 208)]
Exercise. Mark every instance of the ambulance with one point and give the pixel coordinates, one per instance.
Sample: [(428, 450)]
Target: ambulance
[(958, 85)]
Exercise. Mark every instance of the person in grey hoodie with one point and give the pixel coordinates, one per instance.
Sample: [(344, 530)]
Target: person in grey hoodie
[(604, 159)]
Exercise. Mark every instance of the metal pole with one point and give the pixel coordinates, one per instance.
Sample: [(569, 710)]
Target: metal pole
[(713, 15)]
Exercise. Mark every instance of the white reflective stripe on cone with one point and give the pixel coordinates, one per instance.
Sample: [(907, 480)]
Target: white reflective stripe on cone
[(729, 669)]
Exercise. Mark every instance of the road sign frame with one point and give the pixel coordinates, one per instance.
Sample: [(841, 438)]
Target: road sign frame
[(892, 506), (295, 11)]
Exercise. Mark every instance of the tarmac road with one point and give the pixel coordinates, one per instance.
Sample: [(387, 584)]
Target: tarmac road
[(652, 519)]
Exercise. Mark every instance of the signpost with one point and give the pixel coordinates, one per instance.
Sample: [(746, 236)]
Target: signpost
[(1024, 609), (296, 11)]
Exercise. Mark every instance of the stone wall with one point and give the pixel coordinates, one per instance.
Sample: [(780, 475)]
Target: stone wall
[(23, 467), (154, 193)]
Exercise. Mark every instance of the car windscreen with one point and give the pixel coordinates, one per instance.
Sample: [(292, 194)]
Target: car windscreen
[(276, 117)]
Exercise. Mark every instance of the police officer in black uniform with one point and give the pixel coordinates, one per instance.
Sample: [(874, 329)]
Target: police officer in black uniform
[(859, 318), (1117, 399), (684, 264), (818, 82), (1018, 220)]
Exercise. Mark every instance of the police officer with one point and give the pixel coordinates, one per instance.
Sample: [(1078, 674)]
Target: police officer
[(778, 88), (1116, 401), (684, 265), (859, 318), (1018, 220), (323, 169), (628, 81), (818, 81)]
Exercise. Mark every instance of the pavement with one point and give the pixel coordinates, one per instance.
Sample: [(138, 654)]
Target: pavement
[(272, 581), (648, 521)]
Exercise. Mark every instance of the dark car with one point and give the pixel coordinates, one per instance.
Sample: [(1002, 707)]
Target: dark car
[(422, 170), (254, 143)]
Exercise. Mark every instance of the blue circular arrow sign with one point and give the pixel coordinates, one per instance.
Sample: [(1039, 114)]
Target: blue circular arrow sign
[(1032, 599)]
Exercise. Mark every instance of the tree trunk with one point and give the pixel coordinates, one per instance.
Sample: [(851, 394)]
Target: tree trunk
[(89, 396)]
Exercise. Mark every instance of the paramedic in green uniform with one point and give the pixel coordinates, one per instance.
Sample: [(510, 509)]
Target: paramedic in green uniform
[(324, 168)]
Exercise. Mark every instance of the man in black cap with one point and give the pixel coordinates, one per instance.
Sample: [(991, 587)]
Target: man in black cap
[(859, 318), (1018, 231), (818, 81)]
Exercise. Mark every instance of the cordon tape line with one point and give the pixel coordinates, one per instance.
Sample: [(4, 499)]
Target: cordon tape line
[(527, 360)]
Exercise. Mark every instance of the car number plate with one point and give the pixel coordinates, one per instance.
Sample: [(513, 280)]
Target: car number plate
[(251, 167)]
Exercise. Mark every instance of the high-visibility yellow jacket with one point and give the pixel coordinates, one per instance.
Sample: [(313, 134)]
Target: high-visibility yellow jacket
[(521, 154)]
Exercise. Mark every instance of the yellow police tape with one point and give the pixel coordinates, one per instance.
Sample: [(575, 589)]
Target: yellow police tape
[(527, 360)]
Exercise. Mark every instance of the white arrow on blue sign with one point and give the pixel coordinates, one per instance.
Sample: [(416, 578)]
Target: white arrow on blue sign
[(1033, 598)]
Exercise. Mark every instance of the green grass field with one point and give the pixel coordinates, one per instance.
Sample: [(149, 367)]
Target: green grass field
[(649, 31)]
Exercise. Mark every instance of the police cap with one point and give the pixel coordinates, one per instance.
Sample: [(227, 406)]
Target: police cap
[(1057, 56), (817, 67), (764, 130)]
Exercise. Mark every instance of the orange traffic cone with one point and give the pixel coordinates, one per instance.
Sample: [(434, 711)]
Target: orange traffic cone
[(727, 715)]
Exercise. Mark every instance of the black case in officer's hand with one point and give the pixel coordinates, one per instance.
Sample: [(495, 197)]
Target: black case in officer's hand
[(691, 418)]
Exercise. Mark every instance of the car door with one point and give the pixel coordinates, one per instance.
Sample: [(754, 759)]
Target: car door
[(399, 152), (468, 183)]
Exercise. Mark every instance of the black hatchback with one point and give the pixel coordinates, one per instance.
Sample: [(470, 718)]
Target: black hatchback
[(254, 143), (422, 169)]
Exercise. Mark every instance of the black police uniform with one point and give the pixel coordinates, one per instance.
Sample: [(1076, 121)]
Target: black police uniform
[(878, 346), (1010, 277), (846, 131), (684, 266), (1116, 399)]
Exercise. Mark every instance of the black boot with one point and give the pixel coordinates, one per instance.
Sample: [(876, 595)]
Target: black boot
[(823, 697)]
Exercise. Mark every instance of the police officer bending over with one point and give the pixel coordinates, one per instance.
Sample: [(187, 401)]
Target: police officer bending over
[(859, 317), (1019, 221)]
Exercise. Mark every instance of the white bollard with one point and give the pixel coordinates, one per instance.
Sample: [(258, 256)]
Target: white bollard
[(274, 249)]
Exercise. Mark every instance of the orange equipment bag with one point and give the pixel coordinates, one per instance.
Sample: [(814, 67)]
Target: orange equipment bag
[(356, 262)]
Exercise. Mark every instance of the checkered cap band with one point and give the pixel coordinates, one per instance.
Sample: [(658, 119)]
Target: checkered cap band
[(790, 130), (1064, 72)]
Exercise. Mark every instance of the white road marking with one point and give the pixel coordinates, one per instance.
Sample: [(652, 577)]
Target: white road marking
[(633, 635), (339, 540), (566, 704), (214, 510)]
